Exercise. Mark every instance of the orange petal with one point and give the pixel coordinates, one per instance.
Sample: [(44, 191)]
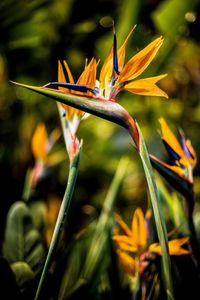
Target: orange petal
[(146, 87), (127, 262), (170, 138), (139, 62), (106, 70), (70, 111), (193, 160), (174, 247), (39, 142), (139, 231), (123, 225), (88, 77), (69, 73), (125, 241), (54, 135), (121, 51)]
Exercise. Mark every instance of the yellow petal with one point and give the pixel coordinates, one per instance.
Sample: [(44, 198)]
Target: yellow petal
[(193, 160), (55, 158), (125, 243), (69, 73), (121, 51), (106, 70), (39, 142), (139, 231), (139, 62), (123, 226), (170, 138), (174, 247), (127, 262), (70, 111), (54, 135), (88, 77), (146, 87), (177, 170)]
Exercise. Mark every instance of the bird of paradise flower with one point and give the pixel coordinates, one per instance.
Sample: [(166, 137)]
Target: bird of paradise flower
[(179, 173), (134, 250)]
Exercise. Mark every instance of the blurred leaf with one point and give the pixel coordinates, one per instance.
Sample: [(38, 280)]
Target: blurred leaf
[(174, 207), (22, 242), (23, 274), (97, 246), (8, 284), (169, 17), (183, 186), (38, 209), (102, 228)]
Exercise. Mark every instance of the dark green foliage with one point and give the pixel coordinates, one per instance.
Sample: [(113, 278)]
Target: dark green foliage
[(23, 247)]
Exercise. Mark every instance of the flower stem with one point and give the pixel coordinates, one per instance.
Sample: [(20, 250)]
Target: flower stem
[(159, 219), (61, 220)]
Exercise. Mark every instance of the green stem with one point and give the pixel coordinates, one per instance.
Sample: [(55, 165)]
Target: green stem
[(100, 235), (159, 219), (27, 186), (61, 220)]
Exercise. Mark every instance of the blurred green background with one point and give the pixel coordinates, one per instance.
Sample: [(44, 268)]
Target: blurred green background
[(35, 34)]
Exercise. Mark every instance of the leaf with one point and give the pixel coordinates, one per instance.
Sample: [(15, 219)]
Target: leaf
[(22, 242), (179, 183), (108, 110), (102, 231), (8, 284), (23, 274), (170, 16), (37, 209), (97, 245), (158, 217)]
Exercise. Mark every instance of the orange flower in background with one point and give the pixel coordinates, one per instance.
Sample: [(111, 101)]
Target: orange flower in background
[(134, 243), (179, 172), (41, 145), (183, 156)]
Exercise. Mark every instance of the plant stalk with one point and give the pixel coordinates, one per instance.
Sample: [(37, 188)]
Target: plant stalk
[(61, 220), (157, 211)]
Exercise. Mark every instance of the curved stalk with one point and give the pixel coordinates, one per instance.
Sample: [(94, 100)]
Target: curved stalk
[(61, 220), (157, 211)]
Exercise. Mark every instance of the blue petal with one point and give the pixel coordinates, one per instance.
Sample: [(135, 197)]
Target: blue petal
[(75, 87), (177, 182), (185, 147), (115, 57), (173, 155)]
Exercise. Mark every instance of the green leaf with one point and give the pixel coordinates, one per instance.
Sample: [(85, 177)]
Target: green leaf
[(169, 17), (96, 251), (23, 274), (97, 245), (61, 220), (22, 242), (179, 183), (8, 284), (108, 110), (158, 217)]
